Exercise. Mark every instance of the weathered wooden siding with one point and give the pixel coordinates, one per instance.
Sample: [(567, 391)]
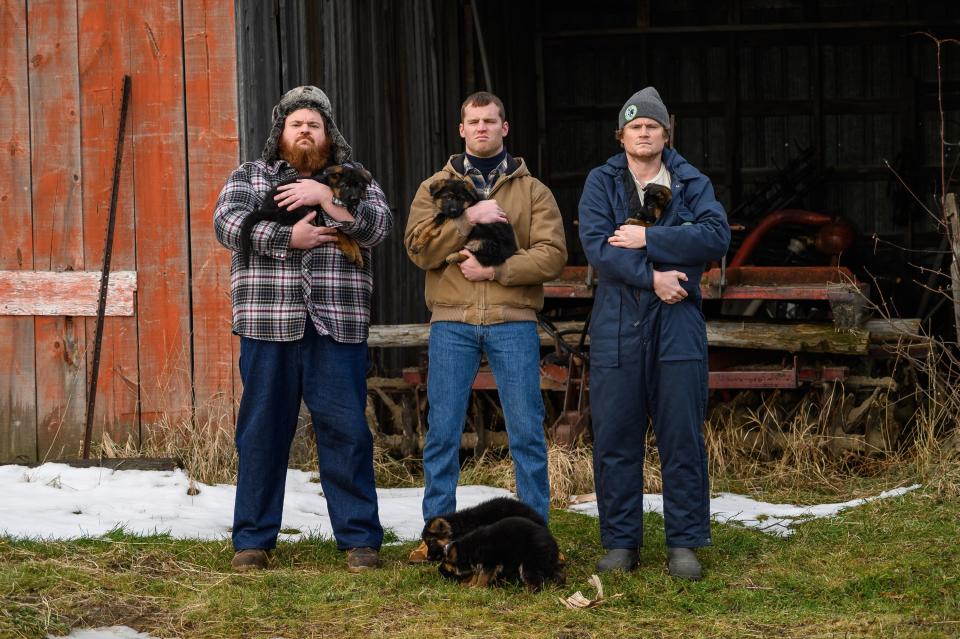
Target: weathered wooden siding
[(212, 152), (57, 194), (18, 398), (61, 67), (104, 44)]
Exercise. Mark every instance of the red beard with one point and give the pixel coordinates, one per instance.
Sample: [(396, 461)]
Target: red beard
[(306, 158)]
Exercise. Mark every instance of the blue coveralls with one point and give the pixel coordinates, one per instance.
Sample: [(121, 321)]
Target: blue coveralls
[(648, 357)]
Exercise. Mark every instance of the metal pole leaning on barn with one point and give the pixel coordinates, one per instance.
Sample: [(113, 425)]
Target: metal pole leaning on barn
[(105, 273)]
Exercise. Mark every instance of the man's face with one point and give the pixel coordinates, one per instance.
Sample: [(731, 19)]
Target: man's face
[(302, 128), (304, 142), (483, 131), (643, 138)]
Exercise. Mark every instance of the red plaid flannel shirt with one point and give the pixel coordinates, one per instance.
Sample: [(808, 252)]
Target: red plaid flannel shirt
[(273, 297)]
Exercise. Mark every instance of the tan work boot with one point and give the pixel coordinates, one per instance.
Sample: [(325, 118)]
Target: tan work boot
[(360, 559), (250, 559), (419, 554)]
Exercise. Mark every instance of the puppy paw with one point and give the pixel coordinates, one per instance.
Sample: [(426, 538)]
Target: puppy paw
[(350, 248)]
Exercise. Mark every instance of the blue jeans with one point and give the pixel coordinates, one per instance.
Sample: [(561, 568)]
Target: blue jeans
[(331, 378), (513, 350)]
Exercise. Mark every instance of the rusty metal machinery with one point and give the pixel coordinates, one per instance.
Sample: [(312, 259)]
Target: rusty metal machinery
[(771, 329)]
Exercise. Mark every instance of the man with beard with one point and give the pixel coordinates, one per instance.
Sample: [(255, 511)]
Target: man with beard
[(648, 339), (302, 311)]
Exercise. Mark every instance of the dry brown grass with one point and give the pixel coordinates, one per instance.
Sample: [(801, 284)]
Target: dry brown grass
[(755, 443)]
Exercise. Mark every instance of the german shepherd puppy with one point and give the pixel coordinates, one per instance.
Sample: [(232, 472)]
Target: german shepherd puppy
[(512, 549), (348, 185), (491, 243), (656, 197), (440, 531)]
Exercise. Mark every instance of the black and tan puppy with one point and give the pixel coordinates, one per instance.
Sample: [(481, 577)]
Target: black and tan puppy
[(490, 243), (655, 199), (348, 185), (440, 531), (512, 549)]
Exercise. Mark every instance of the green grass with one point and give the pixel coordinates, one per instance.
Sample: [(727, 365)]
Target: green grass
[(886, 569)]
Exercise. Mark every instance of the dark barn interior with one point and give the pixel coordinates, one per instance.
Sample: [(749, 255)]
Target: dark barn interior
[(830, 106)]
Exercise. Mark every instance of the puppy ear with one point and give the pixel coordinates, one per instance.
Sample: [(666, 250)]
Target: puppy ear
[(435, 188), (439, 527), (444, 528)]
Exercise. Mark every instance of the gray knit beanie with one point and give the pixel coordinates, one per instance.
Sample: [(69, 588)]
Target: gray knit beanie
[(305, 97), (645, 103)]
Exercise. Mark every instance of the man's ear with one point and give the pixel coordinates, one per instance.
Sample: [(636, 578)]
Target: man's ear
[(461, 131), (506, 128)]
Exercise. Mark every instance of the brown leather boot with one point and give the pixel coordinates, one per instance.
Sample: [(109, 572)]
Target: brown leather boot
[(419, 554), (250, 559), (360, 559)]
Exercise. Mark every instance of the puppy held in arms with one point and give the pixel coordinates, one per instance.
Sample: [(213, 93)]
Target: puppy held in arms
[(655, 199), (490, 243), (512, 549), (440, 531), (348, 185)]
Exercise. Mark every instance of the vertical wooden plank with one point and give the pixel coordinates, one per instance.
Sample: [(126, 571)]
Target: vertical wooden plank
[(57, 219), (104, 56), (259, 71), (952, 220), (159, 162), (213, 150), (18, 399)]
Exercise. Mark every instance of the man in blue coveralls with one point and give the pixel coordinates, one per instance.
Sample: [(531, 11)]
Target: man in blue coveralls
[(648, 340)]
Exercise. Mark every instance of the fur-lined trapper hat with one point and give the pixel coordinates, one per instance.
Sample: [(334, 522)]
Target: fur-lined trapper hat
[(305, 97)]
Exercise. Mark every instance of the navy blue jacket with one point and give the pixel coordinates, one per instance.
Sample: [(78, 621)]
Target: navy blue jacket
[(627, 314)]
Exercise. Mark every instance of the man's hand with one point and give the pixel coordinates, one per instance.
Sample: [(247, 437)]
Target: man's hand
[(485, 212), (666, 284), (307, 236), (305, 192), (629, 236), (474, 270)]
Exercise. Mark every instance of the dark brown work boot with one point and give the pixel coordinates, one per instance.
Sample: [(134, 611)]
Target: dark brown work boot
[(360, 559), (250, 559), (419, 555)]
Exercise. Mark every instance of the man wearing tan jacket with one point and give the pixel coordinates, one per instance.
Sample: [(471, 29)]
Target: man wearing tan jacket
[(485, 310)]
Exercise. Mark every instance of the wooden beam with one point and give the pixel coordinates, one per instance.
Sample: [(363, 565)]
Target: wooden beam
[(65, 294), (793, 338), (810, 338), (397, 335)]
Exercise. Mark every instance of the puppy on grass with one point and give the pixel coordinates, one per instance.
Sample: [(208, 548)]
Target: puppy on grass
[(440, 531), (513, 549), (490, 243), (348, 185)]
